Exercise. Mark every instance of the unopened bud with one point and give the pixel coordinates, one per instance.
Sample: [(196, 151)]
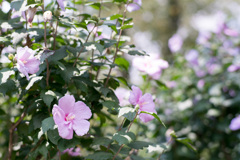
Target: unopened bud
[(57, 13), (11, 57), (100, 23), (95, 18), (30, 15), (47, 16)]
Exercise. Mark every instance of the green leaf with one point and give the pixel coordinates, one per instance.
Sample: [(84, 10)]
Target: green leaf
[(139, 144), (47, 124), (65, 144), (113, 107), (113, 17), (59, 54), (42, 149), (161, 84), (48, 97), (123, 80), (53, 136), (32, 81), (187, 142), (155, 116), (127, 26), (122, 63), (37, 119), (7, 87), (137, 52), (94, 46), (127, 112), (17, 4), (102, 141), (100, 156), (123, 137), (112, 83)]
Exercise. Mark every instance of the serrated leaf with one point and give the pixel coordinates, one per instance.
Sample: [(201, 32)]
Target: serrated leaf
[(59, 54), (53, 136), (124, 138), (139, 144), (127, 112), (48, 97), (137, 52), (47, 124), (155, 116), (100, 156), (102, 141), (112, 106)]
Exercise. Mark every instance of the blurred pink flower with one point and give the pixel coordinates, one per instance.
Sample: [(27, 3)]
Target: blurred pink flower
[(73, 152), (192, 57), (151, 65), (61, 4), (69, 116), (175, 43), (136, 5), (171, 84), (122, 95), (200, 84), (231, 32), (145, 103), (26, 62), (233, 68), (235, 123)]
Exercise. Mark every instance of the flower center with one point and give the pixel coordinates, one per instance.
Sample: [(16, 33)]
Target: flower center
[(24, 61), (70, 117)]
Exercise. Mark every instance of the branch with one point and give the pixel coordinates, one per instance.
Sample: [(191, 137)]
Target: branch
[(11, 130), (117, 44)]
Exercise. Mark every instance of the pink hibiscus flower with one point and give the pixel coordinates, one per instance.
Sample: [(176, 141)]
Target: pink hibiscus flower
[(145, 103), (26, 62), (73, 152), (61, 4), (235, 123), (69, 115)]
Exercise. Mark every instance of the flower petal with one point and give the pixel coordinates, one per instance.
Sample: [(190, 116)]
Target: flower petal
[(66, 103), (65, 131), (146, 117), (135, 95), (61, 4), (146, 102), (81, 111), (235, 123), (32, 65), (81, 127), (58, 115)]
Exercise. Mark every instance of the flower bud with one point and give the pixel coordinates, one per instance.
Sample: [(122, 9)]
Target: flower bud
[(100, 23), (57, 13), (11, 57), (30, 15), (47, 16), (95, 18)]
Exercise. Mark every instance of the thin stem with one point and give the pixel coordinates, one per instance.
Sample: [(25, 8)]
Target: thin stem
[(34, 148), (132, 122), (83, 46), (164, 149), (117, 44), (118, 151), (11, 130), (54, 37), (120, 127)]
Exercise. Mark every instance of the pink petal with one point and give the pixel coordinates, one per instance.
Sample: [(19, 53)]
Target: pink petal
[(65, 131), (146, 102), (146, 117), (135, 95), (58, 115), (32, 65), (66, 103), (61, 4), (81, 127), (81, 111)]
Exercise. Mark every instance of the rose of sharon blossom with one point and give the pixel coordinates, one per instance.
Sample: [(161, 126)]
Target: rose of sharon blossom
[(26, 62), (72, 152), (136, 5), (235, 123), (145, 103), (69, 115), (30, 15), (152, 65)]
